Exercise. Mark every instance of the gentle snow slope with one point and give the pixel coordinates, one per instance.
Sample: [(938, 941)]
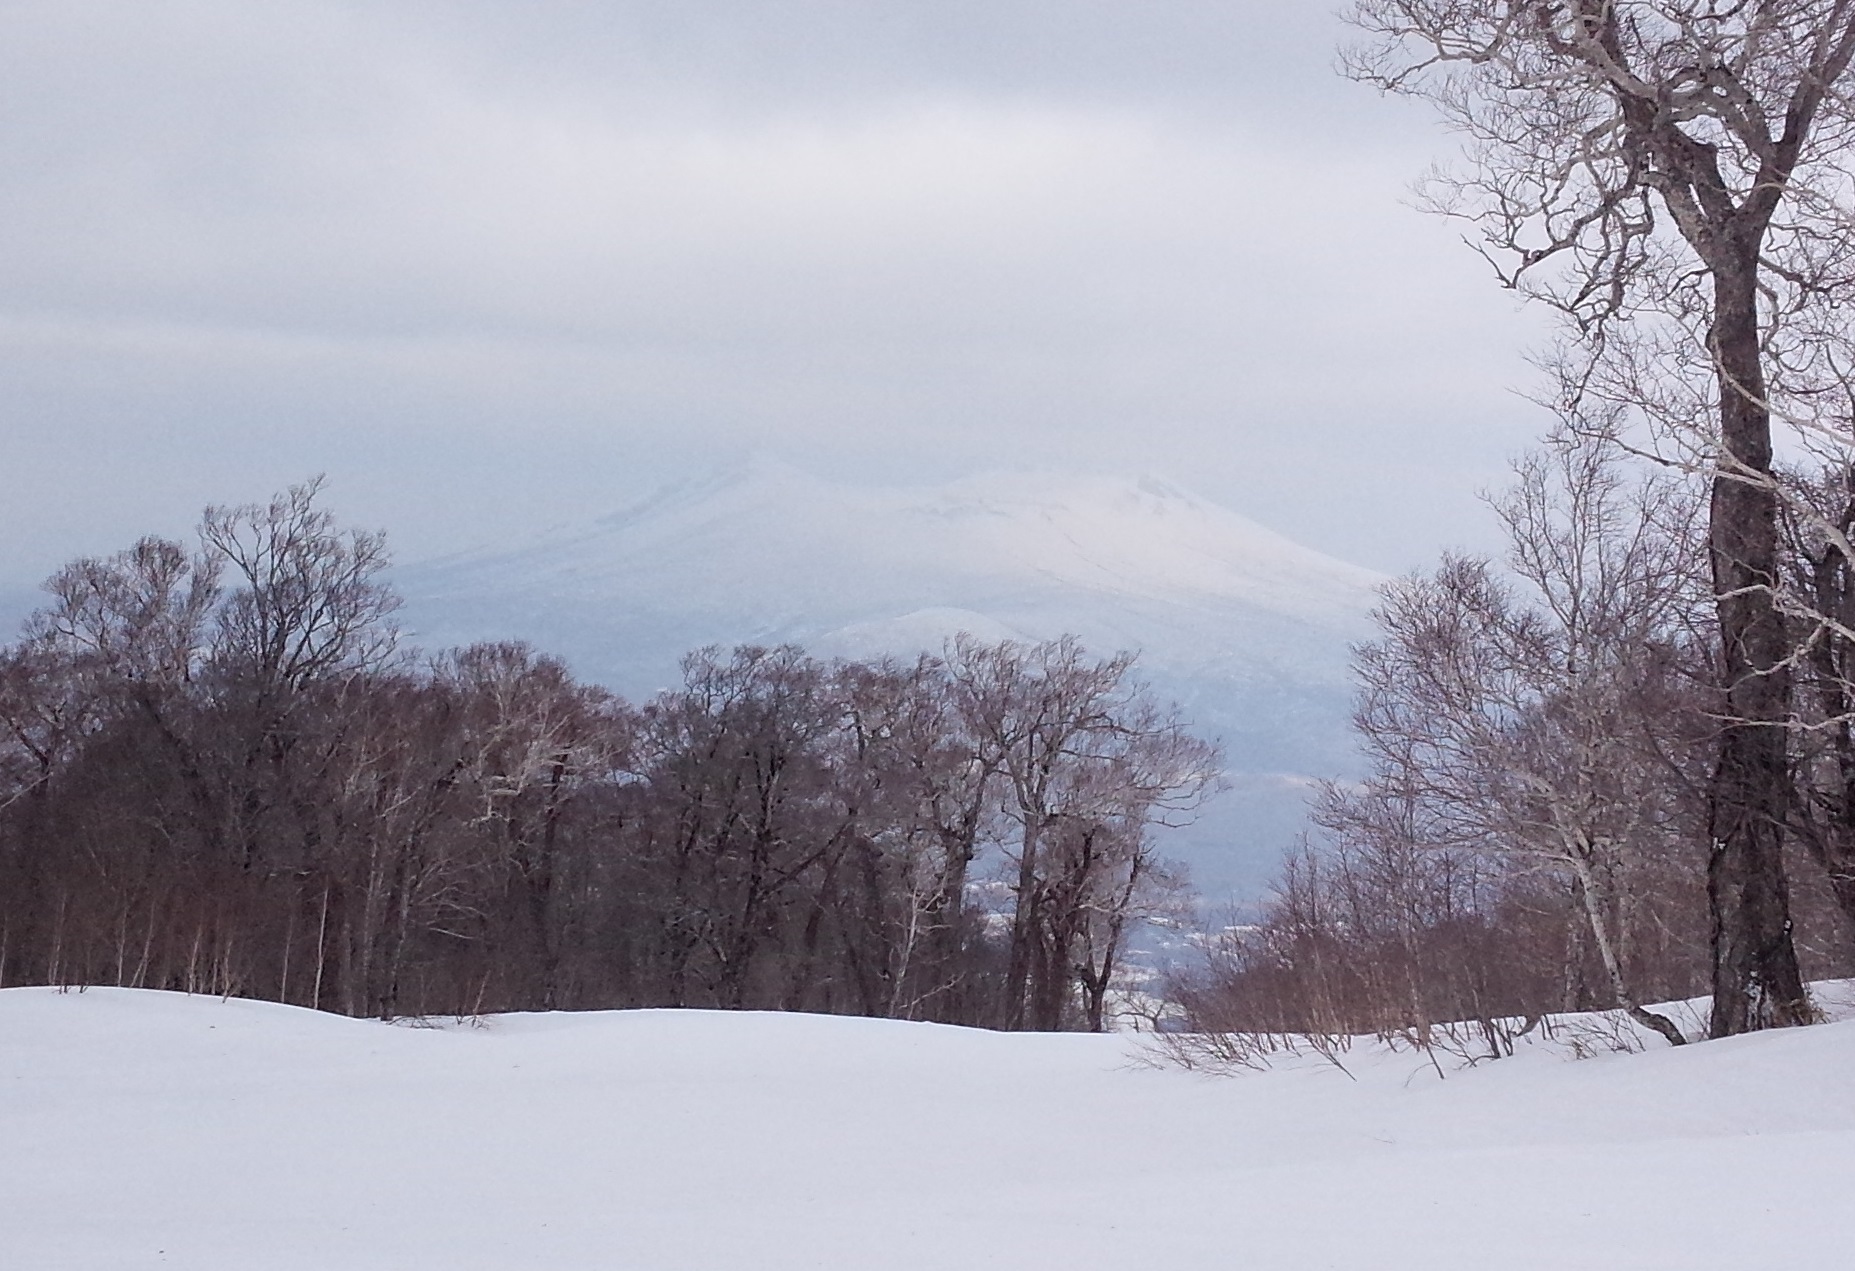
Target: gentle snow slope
[(147, 1130)]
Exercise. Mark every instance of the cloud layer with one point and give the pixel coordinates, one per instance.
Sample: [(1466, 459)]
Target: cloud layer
[(494, 265)]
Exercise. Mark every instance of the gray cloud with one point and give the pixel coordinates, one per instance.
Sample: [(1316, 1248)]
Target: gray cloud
[(493, 265)]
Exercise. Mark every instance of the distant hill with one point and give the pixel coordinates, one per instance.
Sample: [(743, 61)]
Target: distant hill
[(1247, 630)]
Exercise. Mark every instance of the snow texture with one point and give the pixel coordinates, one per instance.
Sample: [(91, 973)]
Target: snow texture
[(146, 1130)]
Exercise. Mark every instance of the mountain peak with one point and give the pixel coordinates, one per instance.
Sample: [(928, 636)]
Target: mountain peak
[(762, 550), (1245, 628)]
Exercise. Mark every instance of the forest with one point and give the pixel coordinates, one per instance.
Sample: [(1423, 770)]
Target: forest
[(226, 772), (221, 773)]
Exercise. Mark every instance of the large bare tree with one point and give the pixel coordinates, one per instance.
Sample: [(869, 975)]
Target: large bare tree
[(1671, 175), (1089, 759)]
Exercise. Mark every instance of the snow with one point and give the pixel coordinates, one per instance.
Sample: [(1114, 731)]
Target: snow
[(145, 1129)]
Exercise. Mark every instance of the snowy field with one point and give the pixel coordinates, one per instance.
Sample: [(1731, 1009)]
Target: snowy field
[(142, 1129)]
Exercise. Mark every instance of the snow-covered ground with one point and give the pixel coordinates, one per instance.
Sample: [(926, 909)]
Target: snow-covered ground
[(142, 1129)]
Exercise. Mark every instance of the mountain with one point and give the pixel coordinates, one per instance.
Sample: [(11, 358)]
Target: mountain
[(1247, 630)]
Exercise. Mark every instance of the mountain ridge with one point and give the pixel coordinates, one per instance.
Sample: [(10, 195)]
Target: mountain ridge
[(1246, 629)]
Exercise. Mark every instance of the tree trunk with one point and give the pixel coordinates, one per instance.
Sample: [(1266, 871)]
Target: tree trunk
[(1025, 918), (1596, 901), (1756, 981), (1828, 830)]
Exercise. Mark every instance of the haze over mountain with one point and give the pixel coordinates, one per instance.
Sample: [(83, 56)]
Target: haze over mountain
[(1245, 629)]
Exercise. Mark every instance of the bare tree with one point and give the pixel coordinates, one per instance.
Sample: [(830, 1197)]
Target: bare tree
[(309, 601), (1088, 760), (126, 632), (534, 740), (1537, 733), (306, 608), (1824, 817), (938, 781), (1671, 176)]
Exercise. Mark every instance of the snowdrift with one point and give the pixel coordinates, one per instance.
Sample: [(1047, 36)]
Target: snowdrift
[(146, 1129)]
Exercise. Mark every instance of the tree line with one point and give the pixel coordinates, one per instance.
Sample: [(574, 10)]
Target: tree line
[(220, 773)]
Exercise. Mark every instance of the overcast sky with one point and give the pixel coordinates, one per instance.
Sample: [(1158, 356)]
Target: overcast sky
[(495, 265)]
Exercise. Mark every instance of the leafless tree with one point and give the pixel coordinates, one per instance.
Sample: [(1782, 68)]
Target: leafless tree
[(1088, 760), (938, 782), (534, 741), (308, 603), (1824, 818), (1548, 737), (1671, 176)]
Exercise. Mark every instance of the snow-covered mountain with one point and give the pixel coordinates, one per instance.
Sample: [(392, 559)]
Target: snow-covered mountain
[(1246, 629)]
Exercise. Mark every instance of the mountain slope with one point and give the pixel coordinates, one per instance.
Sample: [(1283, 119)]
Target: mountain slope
[(1246, 629)]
